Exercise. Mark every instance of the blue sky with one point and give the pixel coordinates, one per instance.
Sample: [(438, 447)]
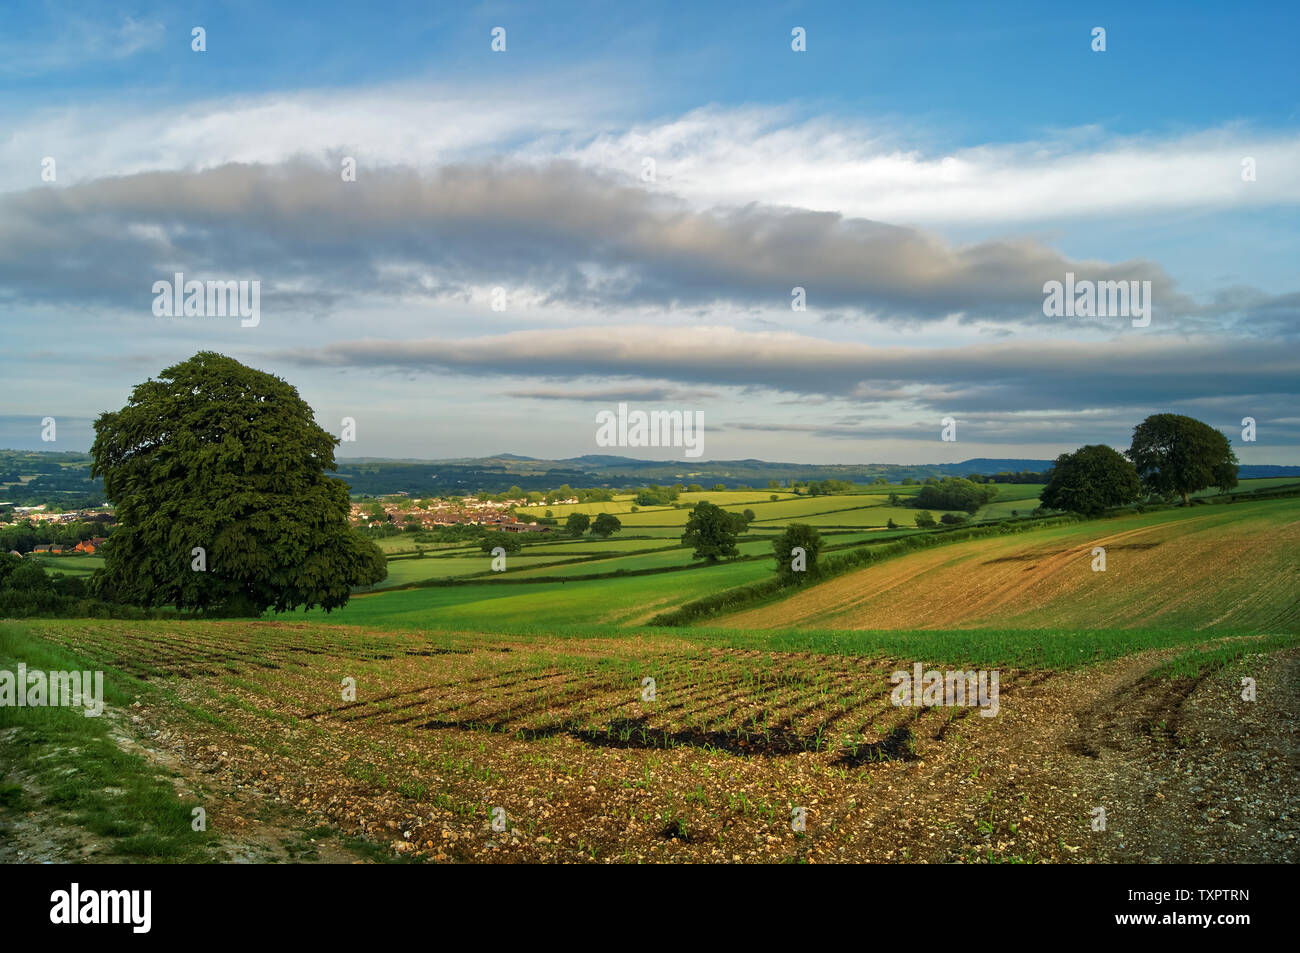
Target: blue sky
[(920, 170)]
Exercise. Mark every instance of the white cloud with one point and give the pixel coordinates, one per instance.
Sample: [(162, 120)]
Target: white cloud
[(710, 156)]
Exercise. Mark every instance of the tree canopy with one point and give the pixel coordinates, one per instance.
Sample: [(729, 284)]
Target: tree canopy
[(954, 493), (606, 525), (1177, 454), (1090, 480), (217, 475), (713, 531), (806, 538)]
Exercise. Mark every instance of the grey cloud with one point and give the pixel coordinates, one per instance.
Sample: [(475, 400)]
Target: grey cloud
[(1001, 376), (573, 235), (605, 395)]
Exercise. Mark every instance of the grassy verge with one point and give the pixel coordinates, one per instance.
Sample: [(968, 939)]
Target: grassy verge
[(70, 765)]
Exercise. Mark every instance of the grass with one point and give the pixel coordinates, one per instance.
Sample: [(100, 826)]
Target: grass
[(81, 773), (502, 602), (79, 565), (1202, 660)]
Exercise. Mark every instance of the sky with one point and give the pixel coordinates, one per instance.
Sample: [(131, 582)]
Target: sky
[(825, 251)]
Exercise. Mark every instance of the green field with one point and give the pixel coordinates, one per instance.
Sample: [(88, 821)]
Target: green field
[(79, 564), (1168, 546), (506, 605)]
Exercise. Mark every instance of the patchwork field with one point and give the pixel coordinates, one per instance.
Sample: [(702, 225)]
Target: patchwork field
[(529, 703)]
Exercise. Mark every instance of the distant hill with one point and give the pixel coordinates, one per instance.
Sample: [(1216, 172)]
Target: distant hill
[(28, 477)]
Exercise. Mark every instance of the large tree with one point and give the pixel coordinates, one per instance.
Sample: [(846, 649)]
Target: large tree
[(1090, 480), (1177, 454), (713, 531), (216, 456)]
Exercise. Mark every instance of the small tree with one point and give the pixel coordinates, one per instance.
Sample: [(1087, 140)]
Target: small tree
[(804, 537), (891, 525), (1177, 454), (577, 524), (1091, 480), (606, 525), (749, 516), (952, 519), (712, 531), (925, 520)]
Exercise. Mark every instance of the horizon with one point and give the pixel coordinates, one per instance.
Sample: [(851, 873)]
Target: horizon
[(507, 455)]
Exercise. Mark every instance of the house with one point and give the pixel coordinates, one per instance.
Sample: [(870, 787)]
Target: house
[(90, 545), (44, 548), (14, 552)]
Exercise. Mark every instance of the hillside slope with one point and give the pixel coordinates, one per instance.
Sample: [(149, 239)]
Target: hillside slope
[(1230, 568)]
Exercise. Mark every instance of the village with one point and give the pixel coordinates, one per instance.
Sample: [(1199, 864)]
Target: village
[(399, 510)]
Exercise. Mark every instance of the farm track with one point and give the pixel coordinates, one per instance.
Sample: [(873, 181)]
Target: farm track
[(555, 733)]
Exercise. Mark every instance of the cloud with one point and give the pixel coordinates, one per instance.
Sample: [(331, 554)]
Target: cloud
[(568, 234), (998, 377), (710, 156), (714, 156), (649, 394)]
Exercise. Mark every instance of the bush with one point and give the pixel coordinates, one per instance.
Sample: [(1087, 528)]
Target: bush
[(925, 520)]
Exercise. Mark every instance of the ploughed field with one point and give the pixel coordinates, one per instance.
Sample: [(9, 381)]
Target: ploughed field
[(449, 729), (1230, 567)]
